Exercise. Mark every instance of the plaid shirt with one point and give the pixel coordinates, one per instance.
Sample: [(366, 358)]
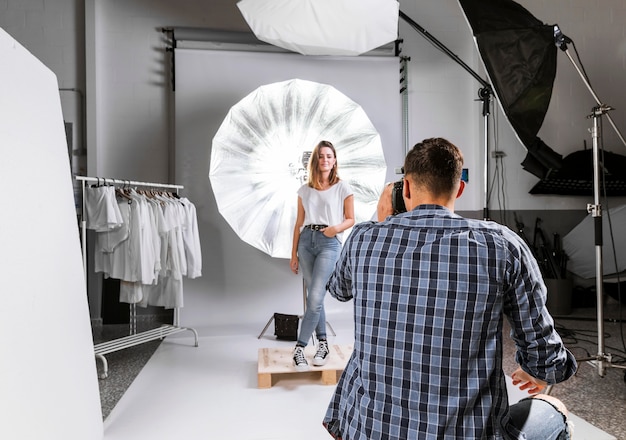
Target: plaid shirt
[(430, 289)]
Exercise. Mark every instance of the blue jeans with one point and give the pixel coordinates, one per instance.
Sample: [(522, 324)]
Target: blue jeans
[(317, 256), (539, 420)]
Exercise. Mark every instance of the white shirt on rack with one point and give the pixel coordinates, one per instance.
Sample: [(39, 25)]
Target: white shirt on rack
[(102, 212), (191, 240)]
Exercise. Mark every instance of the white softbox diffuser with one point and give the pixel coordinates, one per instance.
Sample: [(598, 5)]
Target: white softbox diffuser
[(260, 153), (323, 27)]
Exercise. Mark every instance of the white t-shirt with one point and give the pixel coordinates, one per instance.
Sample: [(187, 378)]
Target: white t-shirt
[(325, 207)]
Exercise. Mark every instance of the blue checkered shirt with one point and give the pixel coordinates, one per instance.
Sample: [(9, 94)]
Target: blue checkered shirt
[(430, 290)]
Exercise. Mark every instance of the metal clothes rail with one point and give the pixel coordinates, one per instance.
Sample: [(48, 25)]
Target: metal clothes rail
[(134, 338)]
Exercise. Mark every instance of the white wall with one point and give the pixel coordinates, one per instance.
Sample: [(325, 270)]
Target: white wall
[(209, 83), (48, 376), (442, 95), (53, 31), (130, 136), (129, 132)]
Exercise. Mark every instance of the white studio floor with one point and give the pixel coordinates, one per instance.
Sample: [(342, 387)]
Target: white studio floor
[(210, 392)]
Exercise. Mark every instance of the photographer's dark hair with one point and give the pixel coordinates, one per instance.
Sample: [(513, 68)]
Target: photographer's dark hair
[(436, 164)]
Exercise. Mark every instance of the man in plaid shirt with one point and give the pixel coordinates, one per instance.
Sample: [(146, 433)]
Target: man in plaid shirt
[(430, 292)]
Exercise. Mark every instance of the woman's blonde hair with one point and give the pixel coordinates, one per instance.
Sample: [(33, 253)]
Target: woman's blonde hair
[(314, 171)]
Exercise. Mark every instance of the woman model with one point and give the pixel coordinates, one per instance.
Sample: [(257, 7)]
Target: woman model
[(325, 210)]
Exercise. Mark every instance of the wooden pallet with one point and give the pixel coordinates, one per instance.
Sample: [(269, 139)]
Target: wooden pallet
[(274, 362)]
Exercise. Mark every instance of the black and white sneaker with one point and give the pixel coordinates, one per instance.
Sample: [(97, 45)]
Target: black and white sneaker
[(321, 356), (299, 361)]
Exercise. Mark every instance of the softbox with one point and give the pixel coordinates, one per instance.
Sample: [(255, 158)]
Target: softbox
[(519, 54), (323, 27), (575, 177)]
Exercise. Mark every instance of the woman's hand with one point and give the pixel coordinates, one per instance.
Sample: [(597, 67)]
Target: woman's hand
[(294, 265), (525, 381), (329, 231)]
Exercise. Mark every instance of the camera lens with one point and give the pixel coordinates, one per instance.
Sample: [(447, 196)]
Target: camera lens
[(397, 202)]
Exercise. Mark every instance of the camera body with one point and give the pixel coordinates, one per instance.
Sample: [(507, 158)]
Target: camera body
[(397, 201)]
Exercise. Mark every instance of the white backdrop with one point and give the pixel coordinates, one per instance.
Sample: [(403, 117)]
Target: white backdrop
[(241, 284)]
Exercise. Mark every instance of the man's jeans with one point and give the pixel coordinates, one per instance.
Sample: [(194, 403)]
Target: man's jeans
[(539, 420)]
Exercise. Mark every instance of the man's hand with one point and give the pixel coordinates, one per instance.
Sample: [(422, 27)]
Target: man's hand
[(525, 381), (385, 207)]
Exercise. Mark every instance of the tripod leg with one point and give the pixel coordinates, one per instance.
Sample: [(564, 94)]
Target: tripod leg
[(330, 327), (266, 326)]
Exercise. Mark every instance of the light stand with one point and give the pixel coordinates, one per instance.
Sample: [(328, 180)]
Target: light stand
[(485, 94), (601, 359)]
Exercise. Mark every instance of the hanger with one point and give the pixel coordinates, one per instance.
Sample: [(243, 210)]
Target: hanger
[(122, 193)]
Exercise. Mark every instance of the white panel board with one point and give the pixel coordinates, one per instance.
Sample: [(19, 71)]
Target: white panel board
[(48, 380)]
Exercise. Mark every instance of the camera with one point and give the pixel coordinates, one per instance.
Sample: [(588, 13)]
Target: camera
[(397, 202)]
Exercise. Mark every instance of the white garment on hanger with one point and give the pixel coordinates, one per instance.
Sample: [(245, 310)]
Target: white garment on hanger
[(131, 293), (145, 254), (102, 212), (191, 240), (155, 245)]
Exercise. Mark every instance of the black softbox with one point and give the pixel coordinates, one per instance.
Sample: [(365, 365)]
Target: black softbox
[(519, 54)]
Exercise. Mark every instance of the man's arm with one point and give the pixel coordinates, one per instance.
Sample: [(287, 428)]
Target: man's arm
[(540, 350), (340, 282)]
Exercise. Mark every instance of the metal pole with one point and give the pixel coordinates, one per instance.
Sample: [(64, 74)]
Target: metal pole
[(486, 173), (404, 91), (602, 359), (485, 95), (83, 234), (128, 182), (596, 212)]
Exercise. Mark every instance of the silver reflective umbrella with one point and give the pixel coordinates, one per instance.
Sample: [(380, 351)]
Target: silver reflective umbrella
[(260, 153)]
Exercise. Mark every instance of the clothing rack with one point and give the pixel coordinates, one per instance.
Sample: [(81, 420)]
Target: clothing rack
[(133, 338)]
